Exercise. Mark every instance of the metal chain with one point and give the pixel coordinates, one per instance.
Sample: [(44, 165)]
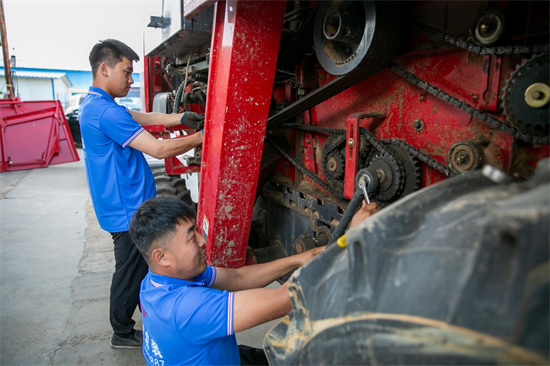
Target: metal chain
[(298, 126), (423, 157), (302, 168), (504, 50), (491, 121)]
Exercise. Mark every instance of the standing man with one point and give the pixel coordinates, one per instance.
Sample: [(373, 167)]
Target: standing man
[(119, 177)]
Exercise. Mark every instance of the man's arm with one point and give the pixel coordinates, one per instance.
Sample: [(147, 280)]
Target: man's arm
[(261, 275), (366, 211), (258, 306), (161, 149), (155, 118)]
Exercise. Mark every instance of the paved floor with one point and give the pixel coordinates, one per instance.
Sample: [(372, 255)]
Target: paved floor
[(56, 266)]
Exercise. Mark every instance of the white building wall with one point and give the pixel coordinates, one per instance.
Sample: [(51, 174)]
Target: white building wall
[(39, 89), (62, 92)]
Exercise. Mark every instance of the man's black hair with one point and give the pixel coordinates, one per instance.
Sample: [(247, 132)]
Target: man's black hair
[(110, 51), (156, 219)]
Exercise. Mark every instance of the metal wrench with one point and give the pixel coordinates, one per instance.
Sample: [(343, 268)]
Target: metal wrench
[(363, 186)]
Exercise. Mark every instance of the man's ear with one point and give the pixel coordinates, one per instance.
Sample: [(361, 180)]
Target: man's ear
[(158, 255), (104, 69)]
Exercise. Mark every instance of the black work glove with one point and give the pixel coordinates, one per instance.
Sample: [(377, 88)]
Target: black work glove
[(193, 120)]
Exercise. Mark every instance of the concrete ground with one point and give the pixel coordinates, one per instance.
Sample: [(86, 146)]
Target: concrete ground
[(56, 266)]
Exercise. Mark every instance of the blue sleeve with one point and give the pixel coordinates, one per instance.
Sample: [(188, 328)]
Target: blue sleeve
[(208, 316), (208, 277), (117, 123)]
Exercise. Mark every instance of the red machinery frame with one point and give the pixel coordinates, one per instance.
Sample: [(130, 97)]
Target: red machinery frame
[(244, 34), (244, 47)]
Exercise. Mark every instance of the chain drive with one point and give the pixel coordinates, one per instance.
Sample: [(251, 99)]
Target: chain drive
[(491, 121), (470, 47)]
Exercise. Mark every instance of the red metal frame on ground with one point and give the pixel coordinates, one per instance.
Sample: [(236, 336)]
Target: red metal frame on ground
[(34, 134)]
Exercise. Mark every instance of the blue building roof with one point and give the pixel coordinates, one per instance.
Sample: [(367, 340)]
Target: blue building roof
[(80, 79)]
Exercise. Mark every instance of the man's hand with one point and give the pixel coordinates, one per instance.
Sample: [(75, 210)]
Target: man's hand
[(308, 255), (193, 120), (366, 211)]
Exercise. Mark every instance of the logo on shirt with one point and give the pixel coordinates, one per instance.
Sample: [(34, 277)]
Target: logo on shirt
[(152, 347)]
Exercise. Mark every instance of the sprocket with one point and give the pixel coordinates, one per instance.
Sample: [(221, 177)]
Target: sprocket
[(526, 95), (334, 158), (334, 167), (332, 164), (411, 168), (391, 177)]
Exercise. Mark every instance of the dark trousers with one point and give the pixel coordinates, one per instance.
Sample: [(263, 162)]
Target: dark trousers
[(252, 356), (130, 268)]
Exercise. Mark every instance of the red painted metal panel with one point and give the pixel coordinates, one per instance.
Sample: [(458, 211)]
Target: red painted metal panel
[(67, 151), (492, 68), (245, 43), (151, 80), (452, 71), (353, 145), (35, 134)]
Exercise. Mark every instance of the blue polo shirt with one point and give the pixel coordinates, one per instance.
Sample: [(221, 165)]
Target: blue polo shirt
[(119, 177), (187, 323)]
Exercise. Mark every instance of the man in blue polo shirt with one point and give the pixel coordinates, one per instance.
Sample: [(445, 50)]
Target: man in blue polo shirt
[(190, 310), (118, 175)]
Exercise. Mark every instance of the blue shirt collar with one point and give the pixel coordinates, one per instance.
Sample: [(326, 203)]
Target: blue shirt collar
[(161, 280), (96, 90)]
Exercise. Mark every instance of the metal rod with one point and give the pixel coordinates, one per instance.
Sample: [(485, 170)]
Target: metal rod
[(5, 51)]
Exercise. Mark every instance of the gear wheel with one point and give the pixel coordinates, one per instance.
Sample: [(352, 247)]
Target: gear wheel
[(334, 167), (411, 168), (391, 177), (526, 95), (332, 160)]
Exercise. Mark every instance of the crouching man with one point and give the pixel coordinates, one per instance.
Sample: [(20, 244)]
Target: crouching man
[(191, 311)]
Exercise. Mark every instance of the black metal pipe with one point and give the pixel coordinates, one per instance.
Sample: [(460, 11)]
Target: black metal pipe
[(348, 214)]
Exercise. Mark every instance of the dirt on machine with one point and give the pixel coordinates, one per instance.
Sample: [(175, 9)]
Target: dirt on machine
[(436, 110)]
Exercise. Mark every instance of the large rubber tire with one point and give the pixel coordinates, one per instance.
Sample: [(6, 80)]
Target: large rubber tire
[(173, 186), (457, 273)]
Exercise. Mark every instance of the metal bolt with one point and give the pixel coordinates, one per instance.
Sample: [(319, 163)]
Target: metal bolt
[(537, 95), (462, 158), (418, 124), (381, 175), (331, 164), (351, 142)]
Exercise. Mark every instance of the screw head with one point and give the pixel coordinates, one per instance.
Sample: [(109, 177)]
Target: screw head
[(462, 158), (351, 142), (418, 124)]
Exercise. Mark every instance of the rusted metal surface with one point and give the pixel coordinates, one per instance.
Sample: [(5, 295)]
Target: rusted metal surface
[(245, 33)]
